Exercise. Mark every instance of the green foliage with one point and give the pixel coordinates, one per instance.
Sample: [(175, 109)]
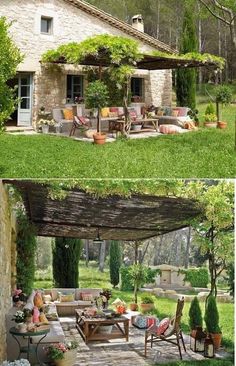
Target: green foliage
[(57, 351), (96, 95), (126, 279), (230, 278), (134, 273), (195, 314), (26, 250), (210, 109), (147, 299), (210, 117), (186, 78), (115, 262), (10, 58), (223, 95), (66, 254), (198, 277), (212, 316)]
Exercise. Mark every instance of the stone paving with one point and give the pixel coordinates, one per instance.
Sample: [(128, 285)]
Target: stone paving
[(119, 352)]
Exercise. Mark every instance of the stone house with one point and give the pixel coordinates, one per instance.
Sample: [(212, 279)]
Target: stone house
[(40, 25)]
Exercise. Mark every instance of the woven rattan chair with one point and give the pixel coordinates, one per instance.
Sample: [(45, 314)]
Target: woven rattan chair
[(174, 335), (80, 123)]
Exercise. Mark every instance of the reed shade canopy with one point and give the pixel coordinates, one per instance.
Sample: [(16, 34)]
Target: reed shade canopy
[(81, 215), (148, 62)]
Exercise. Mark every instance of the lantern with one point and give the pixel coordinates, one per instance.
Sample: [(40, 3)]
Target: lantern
[(209, 349), (197, 339)]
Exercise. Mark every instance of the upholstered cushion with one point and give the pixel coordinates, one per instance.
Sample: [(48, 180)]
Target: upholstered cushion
[(67, 298), (167, 111), (43, 319), (47, 298), (86, 296), (30, 301), (94, 291), (68, 114), (164, 324), (175, 113), (169, 129), (114, 110), (113, 114)]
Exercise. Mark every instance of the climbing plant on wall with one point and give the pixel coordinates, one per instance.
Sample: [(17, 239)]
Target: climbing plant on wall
[(26, 249)]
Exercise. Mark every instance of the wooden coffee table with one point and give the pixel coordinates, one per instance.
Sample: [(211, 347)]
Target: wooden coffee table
[(90, 328)]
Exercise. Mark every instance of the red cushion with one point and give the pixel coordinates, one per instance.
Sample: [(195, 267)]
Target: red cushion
[(164, 324), (82, 120), (114, 110)]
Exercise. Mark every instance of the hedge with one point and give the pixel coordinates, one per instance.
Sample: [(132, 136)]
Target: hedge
[(198, 277)]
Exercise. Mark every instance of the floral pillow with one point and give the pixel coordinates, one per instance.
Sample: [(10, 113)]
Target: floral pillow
[(86, 296), (144, 322), (162, 327)]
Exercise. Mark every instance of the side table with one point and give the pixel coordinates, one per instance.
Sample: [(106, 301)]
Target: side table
[(30, 347)]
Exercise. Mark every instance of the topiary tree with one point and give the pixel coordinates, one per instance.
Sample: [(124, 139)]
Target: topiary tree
[(66, 254), (186, 78), (212, 316), (115, 262), (195, 314), (138, 274), (10, 58), (97, 97), (224, 97), (26, 249)]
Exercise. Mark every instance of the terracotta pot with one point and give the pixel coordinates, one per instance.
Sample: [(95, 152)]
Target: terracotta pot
[(99, 138), (133, 307), (210, 124), (68, 360), (222, 124), (146, 307), (216, 337)]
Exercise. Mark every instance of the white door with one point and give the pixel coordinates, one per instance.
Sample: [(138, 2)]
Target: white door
[(25, 92)]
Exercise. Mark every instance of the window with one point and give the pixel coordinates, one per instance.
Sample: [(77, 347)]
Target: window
[(137, 88), (75, 87), (46, 25)]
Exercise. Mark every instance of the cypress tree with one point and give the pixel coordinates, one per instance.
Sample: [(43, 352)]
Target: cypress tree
[(186, 78), (195, 314), (115, 262), (66, 254)]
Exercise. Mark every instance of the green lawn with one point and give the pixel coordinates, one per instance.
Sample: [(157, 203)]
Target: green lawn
[(205, 153), (91, 277)]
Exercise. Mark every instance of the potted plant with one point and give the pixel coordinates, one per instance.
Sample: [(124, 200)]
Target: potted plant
[(133, 306), (212, 321), (147, 303), (195, 314), (97, 97), (138, 274), (210, 116), (45, 123), (63, 354), (223, 97)]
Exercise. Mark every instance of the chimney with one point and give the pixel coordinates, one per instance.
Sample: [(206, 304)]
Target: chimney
[(137, 22)]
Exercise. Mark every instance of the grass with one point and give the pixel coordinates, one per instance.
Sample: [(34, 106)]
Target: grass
[(202, 363), (92, 277), (205, 153)]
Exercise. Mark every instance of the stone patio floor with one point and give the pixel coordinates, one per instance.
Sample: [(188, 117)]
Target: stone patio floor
[(119, 352)]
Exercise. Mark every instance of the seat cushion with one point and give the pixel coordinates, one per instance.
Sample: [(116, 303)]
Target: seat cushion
[(55, 335)]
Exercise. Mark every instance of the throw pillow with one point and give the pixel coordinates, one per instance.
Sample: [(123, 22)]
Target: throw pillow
[(43, 319), (38, 301), (47, 298), (86, 296), (30, 301), (144, 322), (164, 324), (105, 112), (114, 110), (113, 114), (67, 298), (175, 113), (68, 114)]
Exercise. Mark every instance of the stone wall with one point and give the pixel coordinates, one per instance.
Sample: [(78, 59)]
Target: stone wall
[(7, 264), (70, 24)]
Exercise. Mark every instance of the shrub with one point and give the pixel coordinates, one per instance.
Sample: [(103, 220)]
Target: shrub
[(115, 262), (126, 278), (66, 253), (212, 316), (210, 109), (147, 299), (195, 314), (198, 277)]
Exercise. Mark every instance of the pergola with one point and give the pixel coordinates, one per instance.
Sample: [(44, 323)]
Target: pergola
[(83, 215)]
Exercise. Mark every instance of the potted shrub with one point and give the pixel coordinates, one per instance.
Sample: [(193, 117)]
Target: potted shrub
[(97, 97), (195, 314), (212, 321), (210, 116), (45, 123), (223, 97), (63, 354), (147, 303), (133, 305)]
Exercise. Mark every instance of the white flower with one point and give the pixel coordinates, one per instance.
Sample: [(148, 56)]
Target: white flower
[(21, 362)]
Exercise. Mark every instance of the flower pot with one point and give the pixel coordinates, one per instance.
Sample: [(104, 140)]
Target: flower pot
[(216, 337), (22, 327), (105, 329), (45, 128), (68, 360), (146, 307), (135, 127), (222, 124), (99, 138), (133, 307), (210, 124), (58, 127)]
